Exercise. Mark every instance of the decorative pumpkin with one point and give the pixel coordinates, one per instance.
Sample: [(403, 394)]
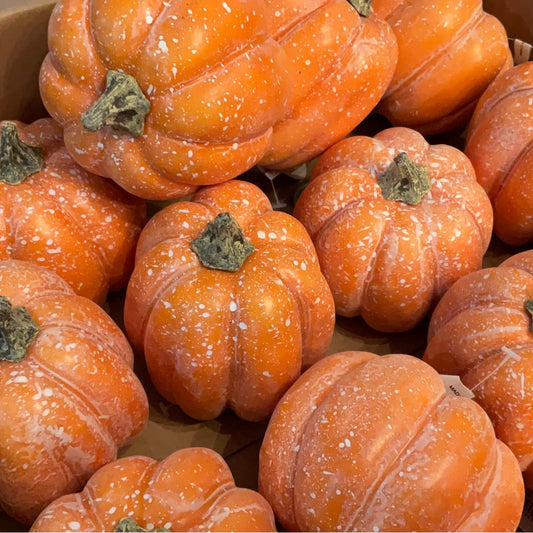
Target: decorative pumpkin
[(449, 52), (363, 442), (481, 331), (55, 214), (68, 395), (227, 302), (395, 222), (164, 96), (191, 490), (342, 60), (499, 144)]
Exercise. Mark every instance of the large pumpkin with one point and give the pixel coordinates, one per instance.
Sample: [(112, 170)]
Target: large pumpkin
[(449, 52), (68, 395), (363, 442), (227, 302), (190, 490), (395, 222), (342, 61), (164, 96), (481, 331), (54, 213), (499, 144)]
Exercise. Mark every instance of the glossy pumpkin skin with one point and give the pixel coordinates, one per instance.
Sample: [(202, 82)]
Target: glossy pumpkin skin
[(190, 490), (480, 331), (385, 260), (499, 144), (449, 52), (341, 64), (71, 403), (79, 225), (214, 339), (215, 80), (364, 442)]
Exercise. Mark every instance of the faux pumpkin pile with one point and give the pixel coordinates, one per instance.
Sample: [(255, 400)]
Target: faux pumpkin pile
[(230, 304)]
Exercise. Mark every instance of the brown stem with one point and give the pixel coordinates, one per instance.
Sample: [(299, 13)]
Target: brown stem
[(122, 106), (404, 181), (17, 331), (18, 160), (222, 245), (129, 524), (361, 6), (529, 308)]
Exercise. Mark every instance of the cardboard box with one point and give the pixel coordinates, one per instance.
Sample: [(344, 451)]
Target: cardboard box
[(23, 30)]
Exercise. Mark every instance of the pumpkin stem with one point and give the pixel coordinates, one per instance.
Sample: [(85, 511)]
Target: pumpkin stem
[(122, 106), (17, 331), (404, 181), (361, 6), (222, 244), (128, 524), (529, 308), (18, 160)]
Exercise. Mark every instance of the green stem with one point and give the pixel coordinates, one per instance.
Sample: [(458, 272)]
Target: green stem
[(17, 331), (361, 6), (129, 524), (222, 245), (404, 181), (18, 160), (529, 308), (122, 106)]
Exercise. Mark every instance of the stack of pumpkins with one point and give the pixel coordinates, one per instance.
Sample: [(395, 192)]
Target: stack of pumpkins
[(230, 301)]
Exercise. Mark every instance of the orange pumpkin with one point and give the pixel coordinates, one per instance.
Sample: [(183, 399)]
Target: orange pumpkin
[(54, 213), (69, 397), (342, 60), (164, 96), (190, 490), (499, 144), (481, 331), (363, 442), (449, 52), (395, 222), (227, 302)]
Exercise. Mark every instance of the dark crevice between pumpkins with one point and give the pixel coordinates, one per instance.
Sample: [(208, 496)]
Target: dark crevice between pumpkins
[(17, 331), (122, 106), (529, 308), (404, 181), (18, 160), (222, 245), (362, 7), (129, 524)]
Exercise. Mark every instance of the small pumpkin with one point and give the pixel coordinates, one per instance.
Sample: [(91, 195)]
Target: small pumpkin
[(481, 331), (363, 442), (499, 144), (448, 53), (227, 302), (54, 213), (342, 59), (68, 396), (190, 490), (164, 96), (395, 221)]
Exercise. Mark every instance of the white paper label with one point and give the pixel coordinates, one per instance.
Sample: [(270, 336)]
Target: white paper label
[(455, 387), (522, 52)]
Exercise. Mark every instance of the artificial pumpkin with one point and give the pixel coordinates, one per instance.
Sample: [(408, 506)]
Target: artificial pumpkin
[(190, 490), (163, 96), (227, 302), (54, 213), (499, 144), (363, 442), (395, 221), (481, 331), (68, 396), (342, 60), (449, 52)]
